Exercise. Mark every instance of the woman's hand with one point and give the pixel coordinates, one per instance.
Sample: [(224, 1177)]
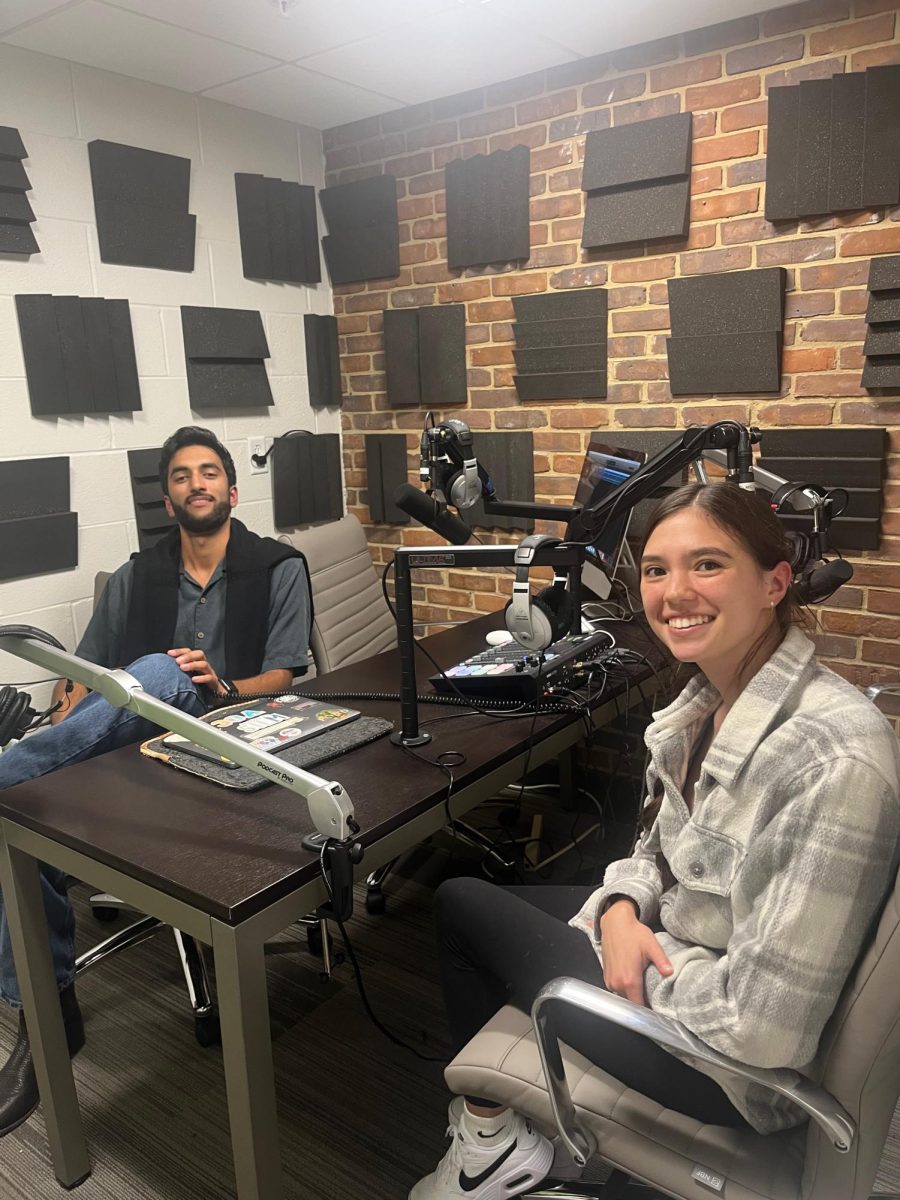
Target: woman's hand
[(628, 947)]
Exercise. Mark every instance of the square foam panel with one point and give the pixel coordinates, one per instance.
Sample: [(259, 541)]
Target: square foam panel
[(387, 466), (425, 355), (726, 332), (38, 533), (323, 361), (882, 344), (638, 182), (363, 240), (141, 207), (307, 484), (16, 214), (834, 144), (278, 229), (149, 508), (79, 355), (487, 208), (853, 459), (225, 351), (509, 460), (561, 345)]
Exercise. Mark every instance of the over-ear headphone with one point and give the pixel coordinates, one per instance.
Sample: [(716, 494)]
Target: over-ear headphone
[(17, 717), (537, 622)]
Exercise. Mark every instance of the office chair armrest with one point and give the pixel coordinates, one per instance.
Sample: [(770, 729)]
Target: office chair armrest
[(822, 1108)]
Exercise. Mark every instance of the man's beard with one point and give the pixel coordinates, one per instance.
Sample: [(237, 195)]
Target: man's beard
[(210, 522)]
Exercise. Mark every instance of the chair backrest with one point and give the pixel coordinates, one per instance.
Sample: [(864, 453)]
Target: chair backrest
[(100, 581), (859, 1064), (352, 620)]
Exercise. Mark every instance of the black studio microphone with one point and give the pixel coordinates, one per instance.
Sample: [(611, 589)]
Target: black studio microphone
[(430, 513), (744, 476), (817, 582)]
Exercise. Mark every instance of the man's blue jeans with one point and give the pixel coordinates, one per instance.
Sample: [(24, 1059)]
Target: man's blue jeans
[(93, 728)]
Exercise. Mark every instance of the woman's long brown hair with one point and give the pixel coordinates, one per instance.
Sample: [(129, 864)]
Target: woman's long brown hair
[(749, 519)]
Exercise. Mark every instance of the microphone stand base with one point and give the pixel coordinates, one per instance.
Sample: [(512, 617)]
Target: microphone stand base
[(414, 739)]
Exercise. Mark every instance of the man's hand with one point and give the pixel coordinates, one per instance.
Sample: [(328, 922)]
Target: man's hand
[(628, 947), (193, 663)]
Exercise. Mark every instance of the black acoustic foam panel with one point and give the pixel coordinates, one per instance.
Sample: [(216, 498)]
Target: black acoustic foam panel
[(149, 509), (561, 345), (38, 533), (141, 207), (278, 229), (487, 208), (834, 144), (323, 360), (638, 182), (386, 468), (16, 215), (834, 457), (79, 355), (425, 355), (225, 351), (307, 484), (509, 460), (726, 332), (363, 239), (882, 345)]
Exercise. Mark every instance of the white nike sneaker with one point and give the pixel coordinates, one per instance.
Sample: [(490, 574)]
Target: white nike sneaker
[(493, 1168)]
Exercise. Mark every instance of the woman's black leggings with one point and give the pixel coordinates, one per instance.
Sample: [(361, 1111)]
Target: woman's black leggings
[(501, 945)]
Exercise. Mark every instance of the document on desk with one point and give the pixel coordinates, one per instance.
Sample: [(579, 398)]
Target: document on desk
[(282, 725)]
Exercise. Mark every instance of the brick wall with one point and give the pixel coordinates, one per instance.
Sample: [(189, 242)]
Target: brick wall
[(721, 74)]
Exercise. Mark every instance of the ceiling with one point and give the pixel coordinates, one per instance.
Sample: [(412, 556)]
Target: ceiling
[(326, 62)]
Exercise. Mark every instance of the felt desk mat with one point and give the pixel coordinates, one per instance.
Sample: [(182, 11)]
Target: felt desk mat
[(330, 744)]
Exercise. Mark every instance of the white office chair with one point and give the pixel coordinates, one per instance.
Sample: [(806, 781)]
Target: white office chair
[(654, 1151)]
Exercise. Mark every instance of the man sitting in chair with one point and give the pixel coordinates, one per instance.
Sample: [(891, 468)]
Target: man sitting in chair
[(210, 611)]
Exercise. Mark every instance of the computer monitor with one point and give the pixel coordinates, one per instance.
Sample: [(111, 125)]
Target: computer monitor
[(605, 467)]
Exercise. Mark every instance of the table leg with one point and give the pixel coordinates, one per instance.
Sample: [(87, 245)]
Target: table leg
[(247, 1053), (40, 999)]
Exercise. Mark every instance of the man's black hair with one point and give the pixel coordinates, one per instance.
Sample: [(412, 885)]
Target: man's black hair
[(193, 435)]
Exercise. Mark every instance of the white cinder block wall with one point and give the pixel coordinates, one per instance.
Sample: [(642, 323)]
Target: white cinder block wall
[(59, 107)]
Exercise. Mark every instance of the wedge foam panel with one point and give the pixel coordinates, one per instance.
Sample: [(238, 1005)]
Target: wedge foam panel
[(853, 459), (727, 332), (638, 182), (561, 345), (307, 484), (141, 207), (79, 355), (882, 345), (425, 355), (225, 351), (38, 533), (363, 239), (16, 214), (278, 229), (149, 507), (487, 208), (834, 144)]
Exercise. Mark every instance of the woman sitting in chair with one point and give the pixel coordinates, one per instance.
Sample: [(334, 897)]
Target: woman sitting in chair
[(769, 839)]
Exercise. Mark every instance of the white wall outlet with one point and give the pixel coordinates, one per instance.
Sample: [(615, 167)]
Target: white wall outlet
[(258, 446)]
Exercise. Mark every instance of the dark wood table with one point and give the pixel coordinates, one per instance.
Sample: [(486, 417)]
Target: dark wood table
[(228, 868)]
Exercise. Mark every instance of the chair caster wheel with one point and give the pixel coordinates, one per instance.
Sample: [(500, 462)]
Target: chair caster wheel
[(314, 940), (207, 1030), (104, 913), (375, 901)]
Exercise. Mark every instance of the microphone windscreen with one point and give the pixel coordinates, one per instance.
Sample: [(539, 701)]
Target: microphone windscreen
[(428, 512), (818, 584)]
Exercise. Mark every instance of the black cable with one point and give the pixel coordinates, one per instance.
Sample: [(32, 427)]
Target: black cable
[(357, 973)]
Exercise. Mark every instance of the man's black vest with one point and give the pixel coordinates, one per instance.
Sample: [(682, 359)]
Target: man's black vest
[(153, 607)]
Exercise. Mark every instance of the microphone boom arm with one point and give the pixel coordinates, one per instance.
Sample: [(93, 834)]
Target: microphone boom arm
[(330, 807)]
